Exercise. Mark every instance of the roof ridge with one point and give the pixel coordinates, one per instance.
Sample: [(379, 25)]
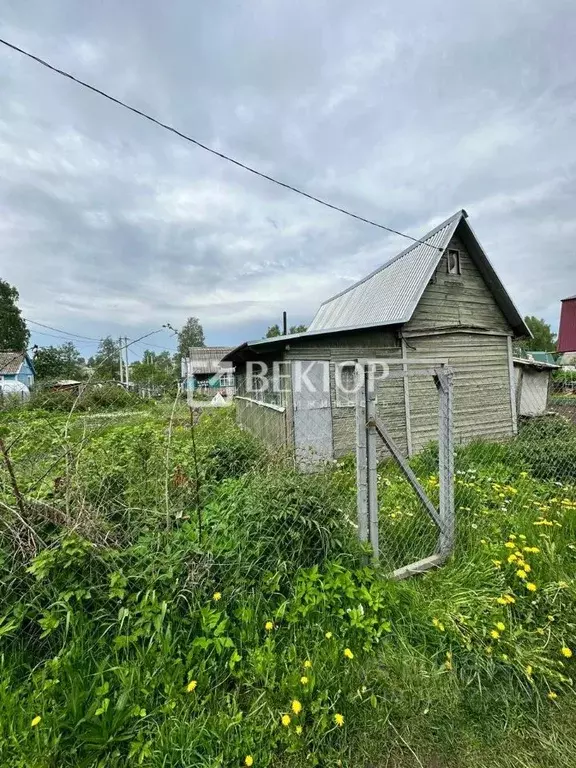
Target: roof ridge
[(422, 241)]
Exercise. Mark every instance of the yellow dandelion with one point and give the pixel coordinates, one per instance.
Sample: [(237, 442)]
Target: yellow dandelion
[(500, 625), (552, 695), (217, 596), (298, 730), (512, 537), (269, 626), (191, 686), (348, 653), (248, 760), (521, 574), (35, 721), (286, 720), (512, 558), (296, 707), (501, 601), (497, 563), (304, 680), (509, 599), (566, 652), (328, 635), (339, 720), (531, 587), (529, 670), (510, 545), (307, 664), (494, 634), (526, 567)]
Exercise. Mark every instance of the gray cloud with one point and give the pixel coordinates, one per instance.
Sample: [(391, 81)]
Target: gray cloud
[(403, 114)]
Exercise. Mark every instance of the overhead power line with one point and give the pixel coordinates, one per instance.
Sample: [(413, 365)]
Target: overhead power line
[(212, 151), (59, 330)]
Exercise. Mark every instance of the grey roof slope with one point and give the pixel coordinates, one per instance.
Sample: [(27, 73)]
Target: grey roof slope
[(11, 362), (207, 359), (390, 294)]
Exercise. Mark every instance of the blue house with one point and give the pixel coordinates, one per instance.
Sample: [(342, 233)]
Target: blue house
[(16, 367)]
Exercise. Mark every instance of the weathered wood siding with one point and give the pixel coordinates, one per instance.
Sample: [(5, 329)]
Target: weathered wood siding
[(381, 343), (461, 300), (482, 402)]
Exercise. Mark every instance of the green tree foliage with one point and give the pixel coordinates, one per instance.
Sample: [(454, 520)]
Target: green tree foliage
[(190, 335), (106, 360), (274, 330), (154, 369), (63, 362), (544, 338), (14, 334)]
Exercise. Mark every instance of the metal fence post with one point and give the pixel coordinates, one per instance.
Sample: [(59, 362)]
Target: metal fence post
[(446, 463), (361, 454), (372, 462)]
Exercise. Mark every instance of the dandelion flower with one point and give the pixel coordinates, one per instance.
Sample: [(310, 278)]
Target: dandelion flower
[(509, 599), (512, 558), (501, 601), (296, 707), (35, 721), (510, 545), (191, 686), (217, 596), (269, 626), (494, 634), (304, 680), (552, 695), (339, 720), (328, 635), (566, 652), (298, 730), (349, 655), (286, 720), (531, 587), (529, 670), (497, 563), (248, 760), (521, 574), (307, 664), (500, 625), (512, 537)]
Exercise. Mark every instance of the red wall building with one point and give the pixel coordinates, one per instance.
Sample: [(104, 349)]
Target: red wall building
[(567, 332)]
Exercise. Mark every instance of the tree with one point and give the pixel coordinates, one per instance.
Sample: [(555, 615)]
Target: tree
[(106, 360), (154, 369), (63, 362), (274, 330), (14, 334), (190, 335), (544, 339)]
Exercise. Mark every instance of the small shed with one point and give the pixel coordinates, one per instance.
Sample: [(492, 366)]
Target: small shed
[(439, 300), (533, 380)]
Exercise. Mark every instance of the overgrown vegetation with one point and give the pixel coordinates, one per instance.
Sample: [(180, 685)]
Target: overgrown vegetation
[(187, 600)]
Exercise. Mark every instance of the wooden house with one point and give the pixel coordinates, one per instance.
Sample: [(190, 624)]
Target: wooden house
[(16, 369), (439, 300)]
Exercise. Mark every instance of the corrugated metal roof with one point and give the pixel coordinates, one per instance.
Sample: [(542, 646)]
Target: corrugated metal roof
[(11, 362), (206, 359), (567, 332), (389, 294)]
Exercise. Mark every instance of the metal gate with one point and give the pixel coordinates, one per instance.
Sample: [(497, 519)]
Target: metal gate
[(372, 437)]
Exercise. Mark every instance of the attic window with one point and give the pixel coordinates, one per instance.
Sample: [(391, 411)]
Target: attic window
[(454, 262)]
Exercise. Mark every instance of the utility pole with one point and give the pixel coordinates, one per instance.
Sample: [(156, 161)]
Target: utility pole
[(121, 360), (127, 363)]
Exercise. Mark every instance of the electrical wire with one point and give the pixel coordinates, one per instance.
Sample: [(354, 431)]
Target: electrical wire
[(212, 151)]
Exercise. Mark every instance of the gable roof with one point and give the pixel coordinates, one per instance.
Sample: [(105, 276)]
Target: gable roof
[(390, 294), (11, 362), (206, 359)]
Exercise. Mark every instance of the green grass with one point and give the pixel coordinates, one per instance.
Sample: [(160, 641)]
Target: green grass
[(165, 567)]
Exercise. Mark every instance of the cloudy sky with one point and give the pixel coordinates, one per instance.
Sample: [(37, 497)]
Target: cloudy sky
[(403, 114)]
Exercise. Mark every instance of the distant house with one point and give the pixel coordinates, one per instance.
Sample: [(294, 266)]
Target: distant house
[(533, 380), (203, 370), (441, 300), (16, 368), (567, 331), (542, 357)]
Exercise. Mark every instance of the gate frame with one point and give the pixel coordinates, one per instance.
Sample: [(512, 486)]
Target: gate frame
[(369, 425)]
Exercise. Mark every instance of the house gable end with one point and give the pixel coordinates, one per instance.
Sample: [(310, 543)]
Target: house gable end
[(463, 299)]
